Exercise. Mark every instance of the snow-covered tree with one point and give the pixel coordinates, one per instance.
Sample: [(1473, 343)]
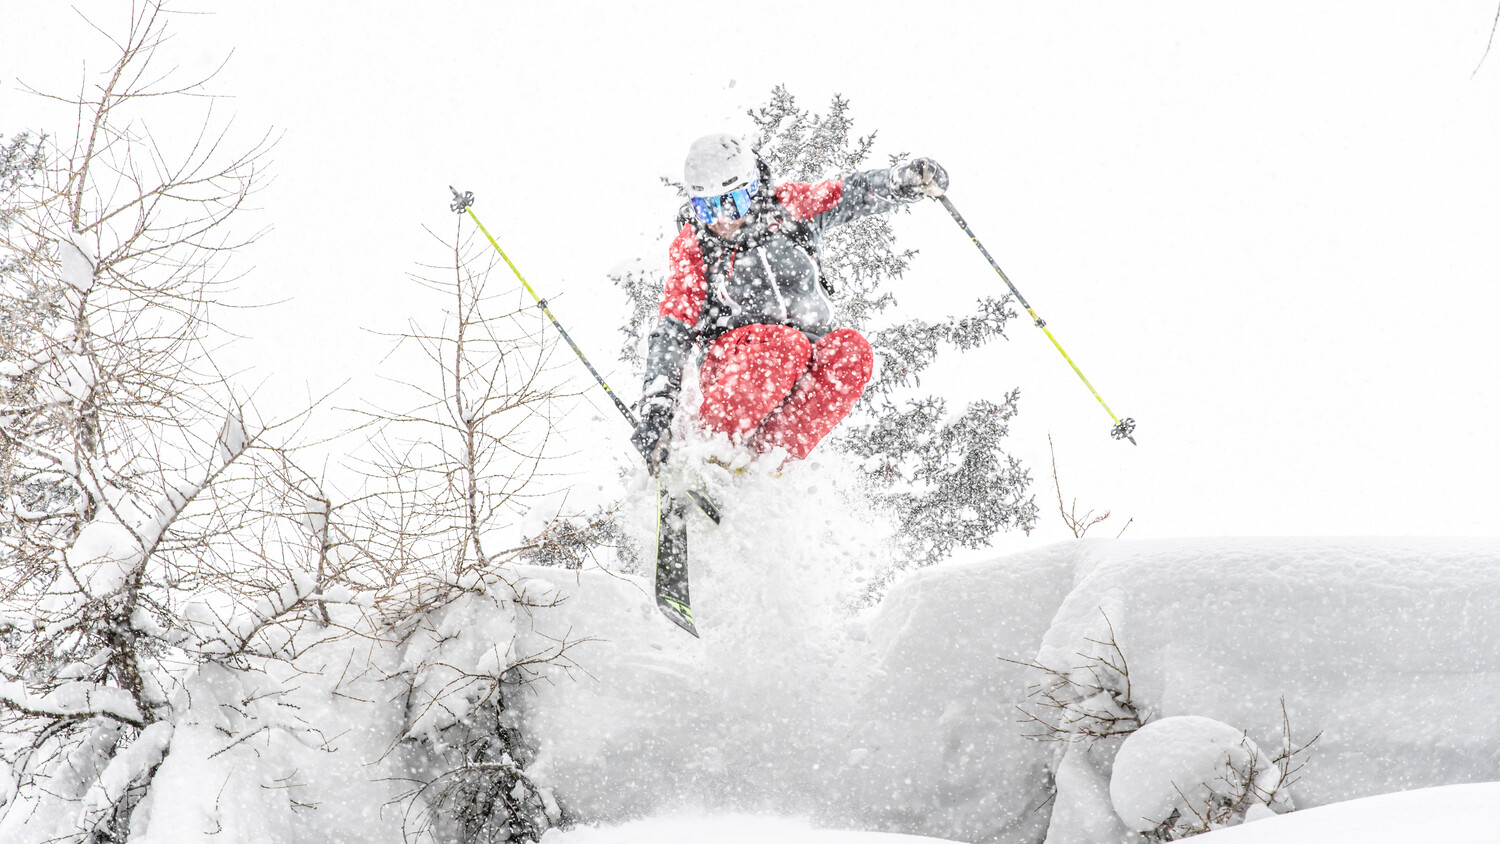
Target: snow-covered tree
[(445, 485), (178, 595), (144, 536)]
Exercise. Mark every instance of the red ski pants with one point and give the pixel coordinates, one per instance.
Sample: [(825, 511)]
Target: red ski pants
[(767, 385)]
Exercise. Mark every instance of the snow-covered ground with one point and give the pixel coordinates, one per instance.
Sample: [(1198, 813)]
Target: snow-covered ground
[(1080, 693), (909, 719), (724, 829), (804, 714), (1456, 814)]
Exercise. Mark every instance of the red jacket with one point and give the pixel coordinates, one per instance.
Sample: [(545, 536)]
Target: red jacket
[(766, 274)]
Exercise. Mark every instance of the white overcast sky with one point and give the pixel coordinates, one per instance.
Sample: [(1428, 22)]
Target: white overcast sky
[(1268, 231)]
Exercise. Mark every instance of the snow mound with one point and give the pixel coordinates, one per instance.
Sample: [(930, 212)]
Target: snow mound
[(1453, 814), (1187, 770)]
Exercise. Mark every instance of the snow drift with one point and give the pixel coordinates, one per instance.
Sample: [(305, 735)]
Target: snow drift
[(908, 719), (1456, 814)]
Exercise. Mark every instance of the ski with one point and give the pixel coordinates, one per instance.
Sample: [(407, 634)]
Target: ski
[(671, 560), (705, 504)]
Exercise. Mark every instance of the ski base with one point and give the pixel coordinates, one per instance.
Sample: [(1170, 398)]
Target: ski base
[(671, 562)]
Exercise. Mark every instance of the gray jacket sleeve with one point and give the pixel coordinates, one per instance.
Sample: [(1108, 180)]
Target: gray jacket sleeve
[(864, 193), (666, 356)]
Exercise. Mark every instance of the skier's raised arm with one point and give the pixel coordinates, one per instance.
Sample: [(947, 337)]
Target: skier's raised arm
[(836, 202)]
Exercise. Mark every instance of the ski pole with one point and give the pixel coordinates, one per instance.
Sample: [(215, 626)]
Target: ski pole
[(464, 202), (1124, 428)]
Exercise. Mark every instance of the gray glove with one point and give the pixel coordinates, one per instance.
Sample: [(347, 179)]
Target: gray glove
[(918, 178), (653, 434)]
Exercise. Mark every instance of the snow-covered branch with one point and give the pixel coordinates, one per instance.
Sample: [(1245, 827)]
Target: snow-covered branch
[(73, 702)]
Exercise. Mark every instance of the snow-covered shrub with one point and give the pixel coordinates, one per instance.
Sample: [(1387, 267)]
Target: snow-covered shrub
[(459, 666), (452, 478), (1187, 774), (461, 659), (1081, 697), (1086, 701)]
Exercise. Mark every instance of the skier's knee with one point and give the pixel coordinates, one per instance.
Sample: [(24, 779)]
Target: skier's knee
[(845, 355)]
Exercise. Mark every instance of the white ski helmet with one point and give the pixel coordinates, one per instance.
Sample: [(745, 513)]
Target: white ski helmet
[(718, 164)]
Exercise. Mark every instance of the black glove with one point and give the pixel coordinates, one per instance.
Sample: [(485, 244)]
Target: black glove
[(653, 434), (918, 178)]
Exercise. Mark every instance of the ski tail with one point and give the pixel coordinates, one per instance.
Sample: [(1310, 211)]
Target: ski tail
[(671, 560)]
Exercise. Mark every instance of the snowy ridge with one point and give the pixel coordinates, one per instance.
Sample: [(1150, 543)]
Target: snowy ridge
[(907, 720)]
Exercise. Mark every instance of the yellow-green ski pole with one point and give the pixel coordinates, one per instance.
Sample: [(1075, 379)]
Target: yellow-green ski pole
[(1124, 428), (464, 202)]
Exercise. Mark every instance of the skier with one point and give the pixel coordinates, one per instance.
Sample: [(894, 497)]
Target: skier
[(744, 283)]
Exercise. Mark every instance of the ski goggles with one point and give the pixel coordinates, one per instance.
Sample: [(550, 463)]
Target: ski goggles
[(728, 206)]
